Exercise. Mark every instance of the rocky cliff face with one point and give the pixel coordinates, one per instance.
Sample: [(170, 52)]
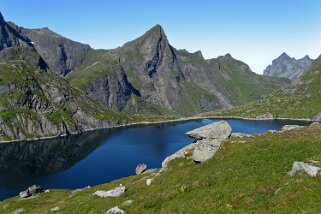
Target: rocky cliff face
[(285, 66), (62, 55), (164, 80), (36, 103)]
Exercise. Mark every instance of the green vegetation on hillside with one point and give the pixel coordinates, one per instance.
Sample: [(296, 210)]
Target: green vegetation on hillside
[(300, 100), (248, 177)]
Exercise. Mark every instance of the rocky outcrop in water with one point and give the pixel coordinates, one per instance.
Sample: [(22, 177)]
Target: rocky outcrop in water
[(285, 66)]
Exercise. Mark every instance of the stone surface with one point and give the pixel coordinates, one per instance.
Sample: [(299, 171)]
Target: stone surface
[(31, 191), (128, 202), (218, 130), (54, 209), (140, 168), (150, 171), (115, 210), (291, 127), (305, 167), (116, 192), (149, 181), (205, 149), (179, 154), (285, 66)]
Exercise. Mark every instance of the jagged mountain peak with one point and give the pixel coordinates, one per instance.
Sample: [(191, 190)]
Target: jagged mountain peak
[(1, 18)]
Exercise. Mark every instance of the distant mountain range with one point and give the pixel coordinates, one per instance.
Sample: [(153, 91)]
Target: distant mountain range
[(299, 100), (285, 66), (68, 87)]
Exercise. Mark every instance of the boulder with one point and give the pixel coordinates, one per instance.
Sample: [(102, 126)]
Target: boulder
[(305, 167), (55, 209), (267, 115), (116, 192), (291, 127), (140, 168), (115, 210), (179, 154), (128, 202), (149, 181), (205, 149), (218, 130), (31, 191), (150, 171)]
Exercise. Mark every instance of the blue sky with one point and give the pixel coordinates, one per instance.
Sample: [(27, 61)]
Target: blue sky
[(254, 31)]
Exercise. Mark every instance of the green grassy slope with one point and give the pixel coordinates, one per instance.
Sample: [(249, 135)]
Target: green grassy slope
[(248, 177), (301, 100), (241, 84)]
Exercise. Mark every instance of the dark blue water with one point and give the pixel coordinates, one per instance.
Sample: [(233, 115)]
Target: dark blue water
[(100, 156)]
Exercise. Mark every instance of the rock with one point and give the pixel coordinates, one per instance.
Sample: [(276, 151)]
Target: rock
[(31, 191), (55, 209), (315, 124), (116, 192), (149, 181), (267, 115), (140, 168), (179, 154), (218, 130), (240, 135), (291, 127), (150, 171), (307, 168), (205, 149), (115, 210), (47, 190), (288, 67), (128, 202), (20, 210), (317, 117)]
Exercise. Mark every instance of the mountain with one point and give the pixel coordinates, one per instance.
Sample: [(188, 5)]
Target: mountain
[(62, 55), (299, 100), (285, 66), (148, 75), (35, 103), (14, 46)]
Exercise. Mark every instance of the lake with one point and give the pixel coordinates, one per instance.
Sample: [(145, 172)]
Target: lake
[(101, 156)]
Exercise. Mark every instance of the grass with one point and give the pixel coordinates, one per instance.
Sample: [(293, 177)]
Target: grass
[(248, 177)]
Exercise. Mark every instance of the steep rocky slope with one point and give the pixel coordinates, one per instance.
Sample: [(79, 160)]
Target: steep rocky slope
[(300, 100), (154, 77), (35, 103), (285, 66), (61, 54)]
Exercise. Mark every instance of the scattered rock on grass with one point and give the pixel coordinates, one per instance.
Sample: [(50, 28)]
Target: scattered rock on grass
[(128, 202), (55, 209), (31, 191), (116, 192), (305, 167), (291, 127), (115, 210), (149, 181)]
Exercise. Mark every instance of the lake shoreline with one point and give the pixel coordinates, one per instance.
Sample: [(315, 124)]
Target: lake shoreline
[(182, 119)]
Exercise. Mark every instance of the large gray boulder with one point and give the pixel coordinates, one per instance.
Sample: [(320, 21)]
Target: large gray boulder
[(179, 154), (31, 191), (218, 130), (305, 167), (205, 149), (116, 192), (140, 168)]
